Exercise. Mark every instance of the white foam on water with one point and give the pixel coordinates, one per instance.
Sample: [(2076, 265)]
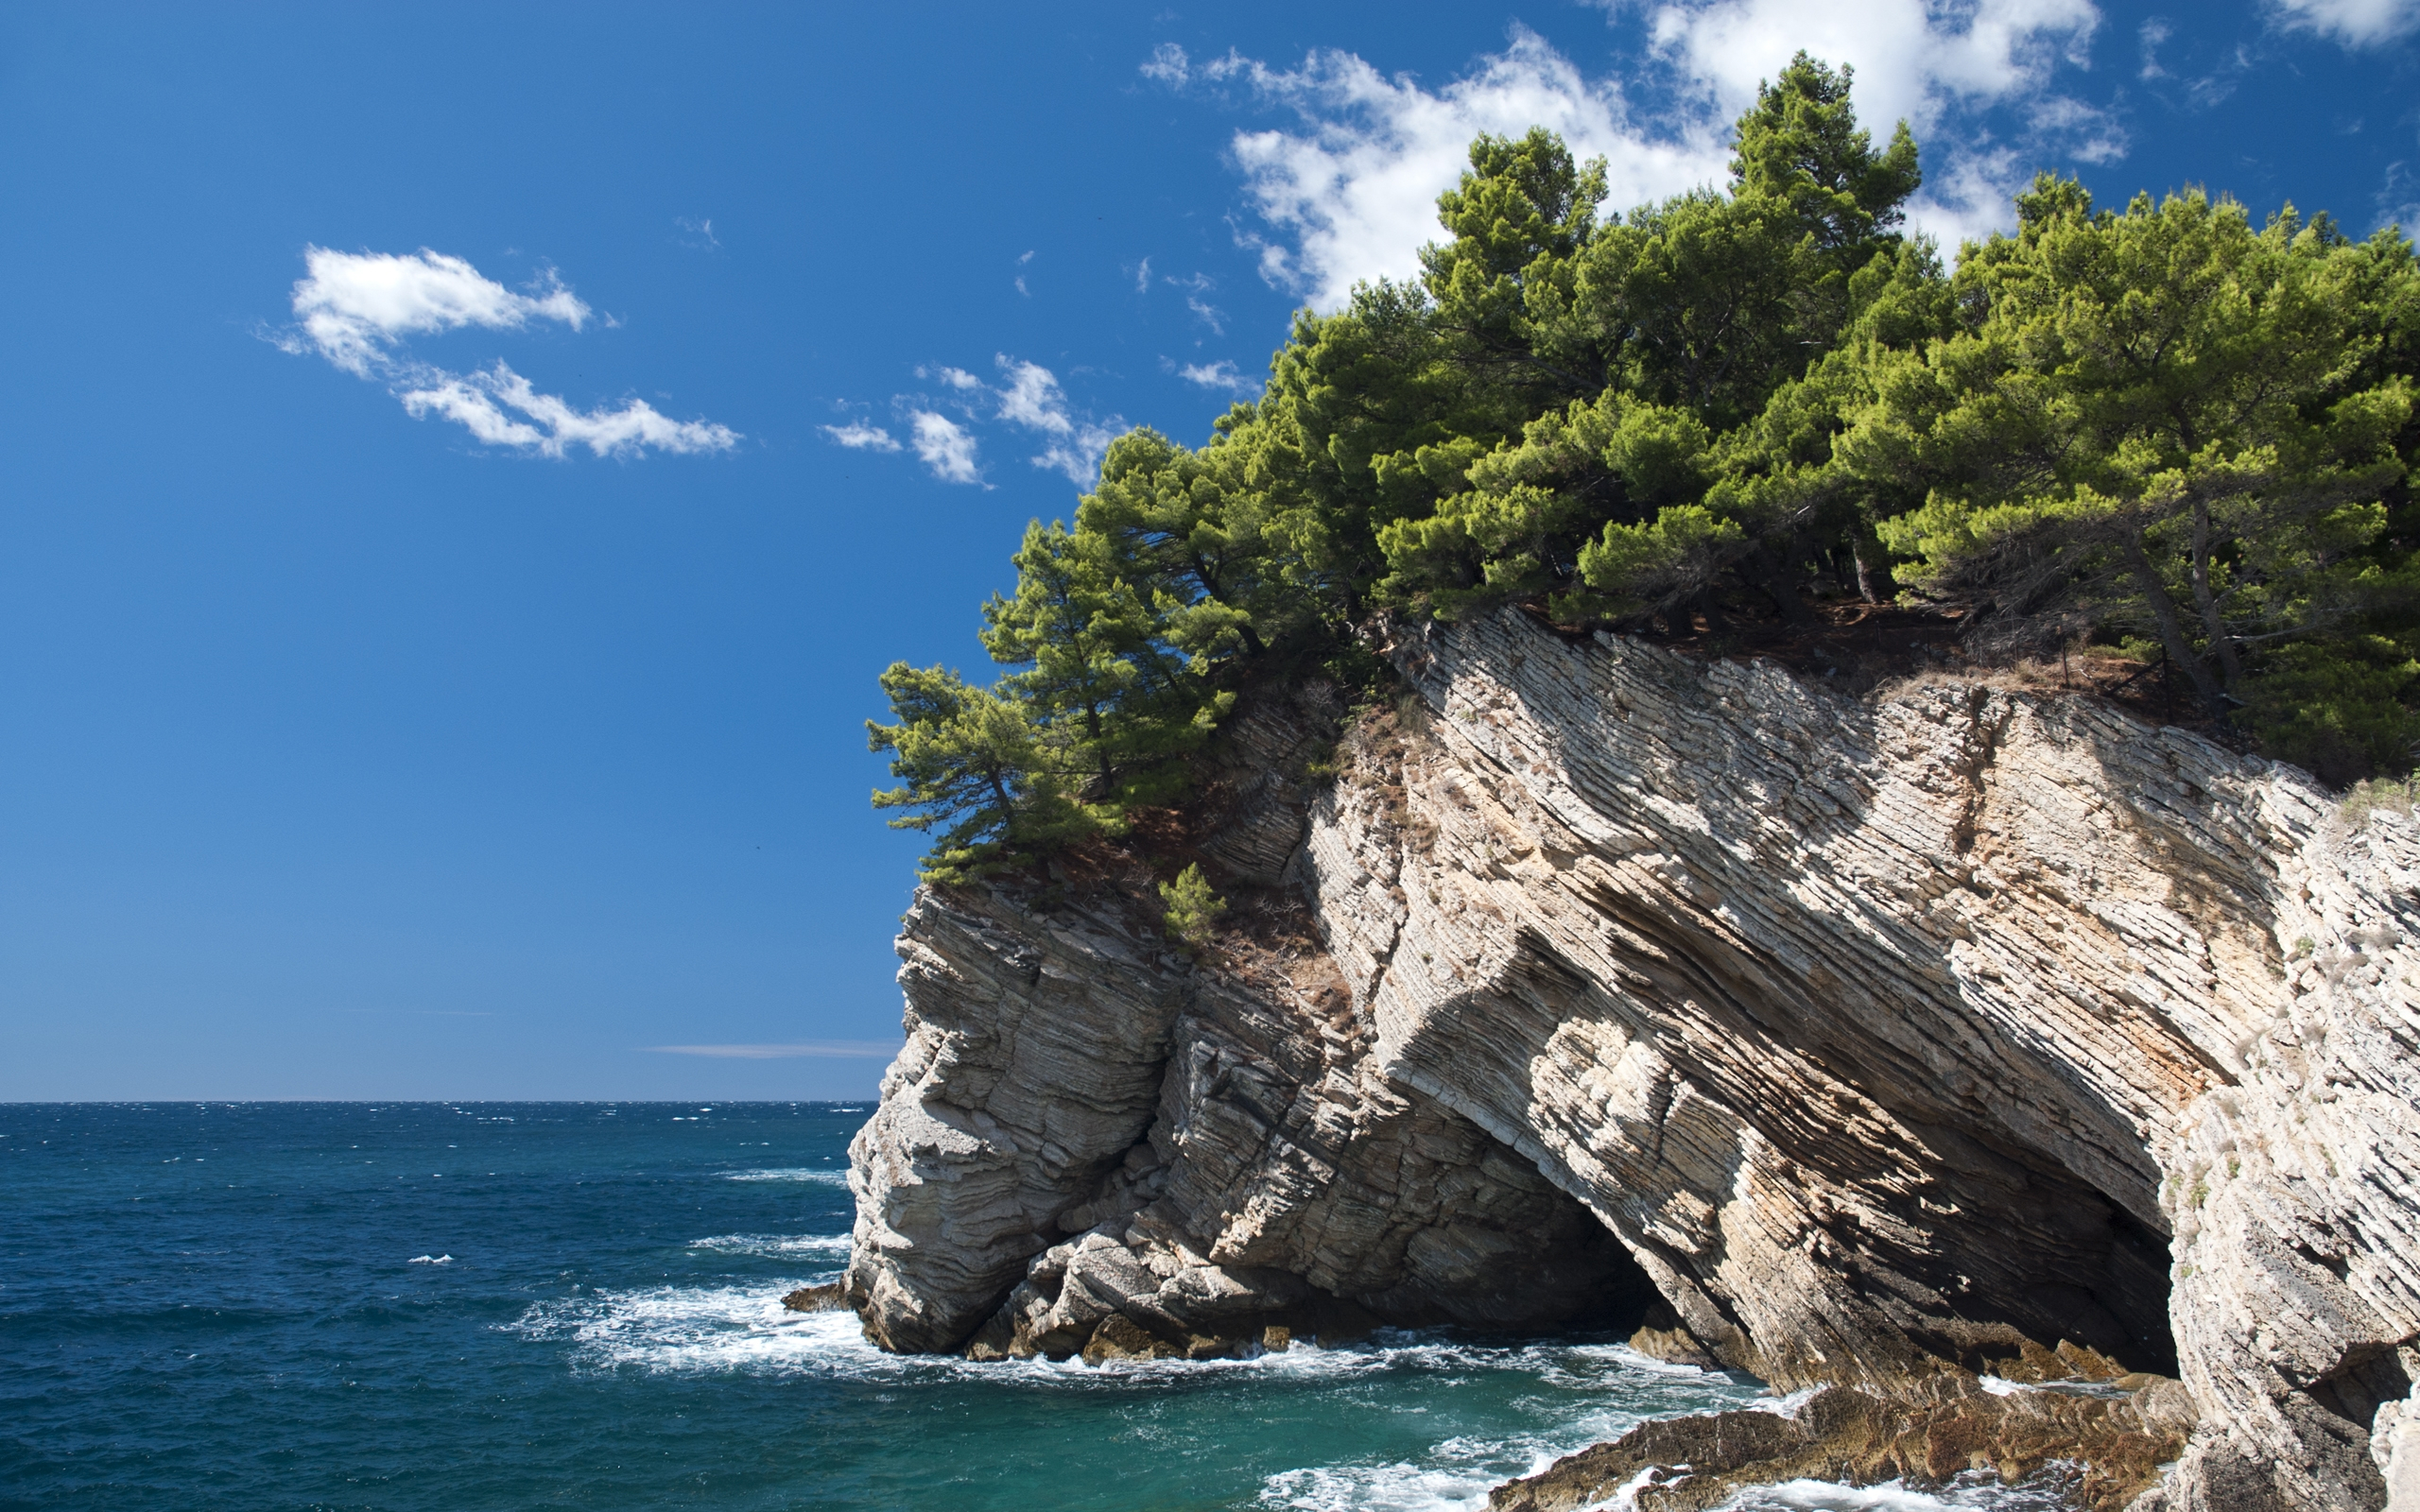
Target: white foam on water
[(812, 1247), (682, 1330), (1401, 1487), (1976, 1491), (822, 1176), (704, 1329), (1786, 1406), (432, 1260)]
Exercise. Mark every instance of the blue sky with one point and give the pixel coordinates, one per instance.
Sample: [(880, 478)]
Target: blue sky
[(462, 467)]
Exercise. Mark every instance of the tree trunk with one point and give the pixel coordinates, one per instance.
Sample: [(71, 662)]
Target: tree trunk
[(1874, 582), (1775, 579), (2171, 630), (2206, 602)]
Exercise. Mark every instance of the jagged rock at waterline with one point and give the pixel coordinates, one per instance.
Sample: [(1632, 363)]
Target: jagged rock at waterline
[(2108, 1451), (1870, 1042)]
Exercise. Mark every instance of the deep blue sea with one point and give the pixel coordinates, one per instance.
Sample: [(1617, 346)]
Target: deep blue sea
[(465, 1307)]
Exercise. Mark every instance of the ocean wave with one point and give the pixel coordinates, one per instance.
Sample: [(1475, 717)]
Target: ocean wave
[(1405, 1487), (683, 1330), (1401, 1487), (689, 1329), (820, 1176), (817, 1246), (1976, 1491)]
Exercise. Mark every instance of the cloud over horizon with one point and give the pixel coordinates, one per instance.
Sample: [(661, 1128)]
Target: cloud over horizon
[(354, 309), (821, 1049)]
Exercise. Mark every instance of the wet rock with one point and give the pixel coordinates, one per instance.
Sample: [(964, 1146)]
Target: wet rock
[(2109, 1451), (818, 1298)]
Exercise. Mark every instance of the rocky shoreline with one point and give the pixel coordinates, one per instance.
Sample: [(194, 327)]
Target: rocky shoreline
[(1877, 1043)]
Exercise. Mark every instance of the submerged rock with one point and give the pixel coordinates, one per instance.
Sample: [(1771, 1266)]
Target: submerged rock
[(1883, 1043)]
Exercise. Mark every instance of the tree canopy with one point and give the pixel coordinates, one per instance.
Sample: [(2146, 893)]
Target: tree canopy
[(2161, 425)]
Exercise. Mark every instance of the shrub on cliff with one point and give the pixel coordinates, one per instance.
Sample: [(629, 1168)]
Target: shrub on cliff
[(1192, 909)]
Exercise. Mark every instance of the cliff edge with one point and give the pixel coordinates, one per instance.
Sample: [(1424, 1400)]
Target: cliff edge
[(1875, 1043)]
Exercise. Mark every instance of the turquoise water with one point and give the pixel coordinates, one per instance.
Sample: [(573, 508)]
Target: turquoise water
[(480, 1306)]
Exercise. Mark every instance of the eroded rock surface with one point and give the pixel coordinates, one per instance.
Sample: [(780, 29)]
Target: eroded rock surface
[(2104, 1452), (1954, 1030)]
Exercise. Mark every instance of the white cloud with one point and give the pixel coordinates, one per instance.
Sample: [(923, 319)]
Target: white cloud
[(1914, 61), (955, 377), (1223, 375), (2398, 201), (2152, 35), (1032, 397), (478, 401), (1168, 64), (827, 1049), (355, 306), (1196, 286), (1078, 457), (1143, 278), (2351, 23), (946, 447), (1355, 188), (1034, 400), (356, 309), (859, 436)]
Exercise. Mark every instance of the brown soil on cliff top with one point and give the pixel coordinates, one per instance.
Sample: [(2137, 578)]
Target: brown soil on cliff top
[(1856, 647)]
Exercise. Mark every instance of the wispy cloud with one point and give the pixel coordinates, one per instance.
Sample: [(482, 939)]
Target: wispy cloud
[(821, 1049), (1196, 288), (862, 437), (1034, 400), (357, 309), (2152, 35), (1221, 375), (1029, 397), (1352, 192), (1143, 278), (2398, 201), (550, 426), (2353, 23), (946, 447)]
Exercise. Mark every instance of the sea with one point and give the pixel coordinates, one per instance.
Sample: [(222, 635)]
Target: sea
[(459, 1307)]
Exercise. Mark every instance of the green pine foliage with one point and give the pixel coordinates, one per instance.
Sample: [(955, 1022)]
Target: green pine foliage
[(1192, 910), (2160, 425)]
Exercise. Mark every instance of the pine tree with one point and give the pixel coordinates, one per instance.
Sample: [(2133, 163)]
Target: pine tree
[(2158, 421), (982, 770)]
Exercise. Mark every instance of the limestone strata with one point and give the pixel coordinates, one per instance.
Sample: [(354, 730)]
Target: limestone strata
[(1036, 1050), (1286, 1183), (1949, 1030)]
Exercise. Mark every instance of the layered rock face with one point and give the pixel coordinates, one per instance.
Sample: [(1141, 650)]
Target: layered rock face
[(1958, 1029)]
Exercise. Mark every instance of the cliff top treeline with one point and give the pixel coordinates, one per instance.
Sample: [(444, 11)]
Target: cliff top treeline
[(2163, 428)]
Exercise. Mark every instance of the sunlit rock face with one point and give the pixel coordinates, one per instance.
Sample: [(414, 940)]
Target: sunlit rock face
[(1951, 1029)]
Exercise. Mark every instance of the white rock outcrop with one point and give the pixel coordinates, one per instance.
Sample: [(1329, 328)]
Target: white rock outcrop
[(1952, 1029)]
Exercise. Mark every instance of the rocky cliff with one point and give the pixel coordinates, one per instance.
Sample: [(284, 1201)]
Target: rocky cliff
[(1874, 1043)]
